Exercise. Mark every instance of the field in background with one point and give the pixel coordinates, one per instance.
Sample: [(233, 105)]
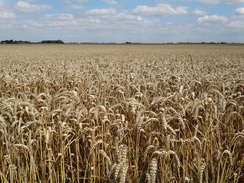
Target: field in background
[(121, 113)]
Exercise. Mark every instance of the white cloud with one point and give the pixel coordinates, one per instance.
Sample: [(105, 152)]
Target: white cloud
[(32, 0), (239, 11), (110, 2), (210, 1), (160, 10), (125, 16), (222, 1), (98, 19), (236, 24), (75, 1), (63, 16), (75, 6), (213, 19), (27, 7), (5, 14), (199, 12), (110, 11), (57, 21), (234, 1), (215, 1), (83, 1)]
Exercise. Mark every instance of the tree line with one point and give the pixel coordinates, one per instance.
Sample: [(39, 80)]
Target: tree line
[(61, 42), (28, 42)]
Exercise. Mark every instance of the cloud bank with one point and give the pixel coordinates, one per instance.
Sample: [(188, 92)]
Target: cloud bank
[(213, 19), (160, 10)]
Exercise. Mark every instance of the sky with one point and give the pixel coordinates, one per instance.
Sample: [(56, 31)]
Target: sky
[(144, 21)]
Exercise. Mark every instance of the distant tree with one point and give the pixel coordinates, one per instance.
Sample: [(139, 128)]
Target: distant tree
[(14, 42), (59, 42), (8, 41), (53, 41)]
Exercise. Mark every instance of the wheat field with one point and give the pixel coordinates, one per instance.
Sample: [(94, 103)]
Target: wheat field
[(121, 113)]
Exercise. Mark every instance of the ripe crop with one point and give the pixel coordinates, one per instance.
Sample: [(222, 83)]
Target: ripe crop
[(121, 113)]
